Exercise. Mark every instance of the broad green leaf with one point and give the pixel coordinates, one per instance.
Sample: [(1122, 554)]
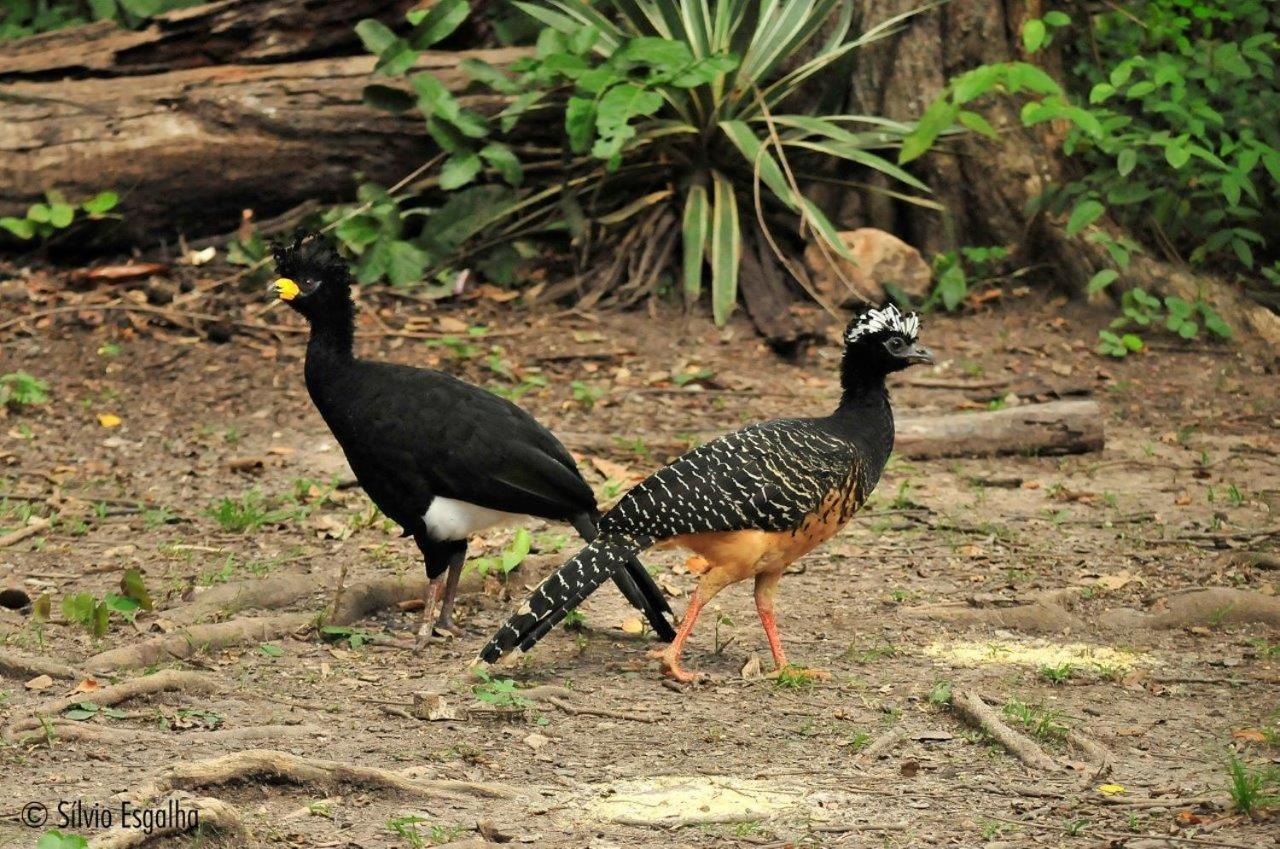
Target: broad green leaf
[(101, 203), (508, 164), (20, 227), (580, 123), (396, 59), (101, 619), (1177, 154), (659, 53), (406, 263), (358, 232), (622, 103), (445, 17), (1085, 213), (1057, 19), (79, 714), (458, 170), (375, 35), (131, 584), (726, 248), (482, 72), (61, 215), (978, 124), (39, 213), (271, 650), (1126, 161), (1102, 280), (694, 231), (1033, 34)]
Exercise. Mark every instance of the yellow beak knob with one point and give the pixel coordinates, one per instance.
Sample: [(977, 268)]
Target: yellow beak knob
[(286, 289)]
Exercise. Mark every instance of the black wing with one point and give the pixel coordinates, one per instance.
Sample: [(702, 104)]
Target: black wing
[(769, 477), (411, 434)]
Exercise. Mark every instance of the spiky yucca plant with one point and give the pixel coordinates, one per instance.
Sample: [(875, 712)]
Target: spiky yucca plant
[(674, 111)]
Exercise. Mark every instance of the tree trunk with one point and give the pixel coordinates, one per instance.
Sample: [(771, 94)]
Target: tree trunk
[(188, 150), (986, 184)]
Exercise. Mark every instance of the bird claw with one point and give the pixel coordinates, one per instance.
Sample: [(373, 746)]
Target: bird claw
[(447, 629), (672, 669)]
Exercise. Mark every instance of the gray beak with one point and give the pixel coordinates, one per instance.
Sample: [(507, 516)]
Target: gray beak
[(918, 353)]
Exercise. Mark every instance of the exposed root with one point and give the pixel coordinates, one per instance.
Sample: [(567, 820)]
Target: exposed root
[(360, 600), (159, 682), (26, 666), (268, 764), (1215, 606), (975, 711), (1037, 618), (186, 642), (34, 527), (123, 734), (205, 814), (273, 593), (1098, 754)]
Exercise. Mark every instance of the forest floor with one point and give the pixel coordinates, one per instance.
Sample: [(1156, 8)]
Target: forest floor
[(1065, 593)]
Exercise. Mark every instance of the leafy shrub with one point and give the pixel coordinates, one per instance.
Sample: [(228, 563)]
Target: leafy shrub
[(675, 125), (21, 18), (19, 389), (57, 213)]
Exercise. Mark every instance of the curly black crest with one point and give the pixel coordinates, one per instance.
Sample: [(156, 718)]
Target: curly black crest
[(309, 257)]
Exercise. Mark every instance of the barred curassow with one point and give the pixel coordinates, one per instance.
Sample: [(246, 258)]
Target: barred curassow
[(442, 458), (751, 502)]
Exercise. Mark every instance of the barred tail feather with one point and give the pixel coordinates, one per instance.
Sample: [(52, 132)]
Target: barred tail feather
[(561, 592)]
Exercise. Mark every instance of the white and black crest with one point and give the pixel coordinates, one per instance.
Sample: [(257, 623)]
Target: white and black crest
[(874, 321)]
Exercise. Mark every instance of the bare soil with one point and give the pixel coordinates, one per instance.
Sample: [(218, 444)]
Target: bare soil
[(1068, 584)]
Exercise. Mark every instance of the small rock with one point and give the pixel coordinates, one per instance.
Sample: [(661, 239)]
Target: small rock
[(40, 682), (536, 741), (880, 258)]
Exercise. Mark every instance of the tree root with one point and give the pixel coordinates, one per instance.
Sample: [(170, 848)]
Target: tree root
[(159, 682), (975, 711), (1036, 618), (123, 734), (27, 666), (186, 642), (360, 600), (273, 593), (212, 813), (1098, 754), (255, 764), (1214, 606)]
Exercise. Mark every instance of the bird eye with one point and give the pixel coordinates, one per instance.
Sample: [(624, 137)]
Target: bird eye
[(896, 343)]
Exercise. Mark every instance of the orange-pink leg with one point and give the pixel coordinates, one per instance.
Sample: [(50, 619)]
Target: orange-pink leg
[(670, 656), (766, 586)]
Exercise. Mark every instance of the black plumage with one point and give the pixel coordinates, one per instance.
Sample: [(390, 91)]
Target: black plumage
[(440, 457), (751, 501)]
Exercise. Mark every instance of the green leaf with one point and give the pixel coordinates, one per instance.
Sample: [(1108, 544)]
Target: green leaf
[(508, 164), (101, 619), (78, 608), (1100, 92), (445, 17), (622, 103), (580, 123), (978, 124), (743, 138), (515, 553), (1085, 213), (1126, 161), (396, 59), (1132, 341), (1176, 154), (132, 586), (1033, 34), (482, 72), (405, 262), (659, 53), (101, 203), (39, 213), (103, 10), (375, 35), (358, 232), (726, 248), (1057, 19), (694, 231), (940, 115), (1102, 280), (20, 227), (458, 170), (271, 650), (80, 714), (61, 215)]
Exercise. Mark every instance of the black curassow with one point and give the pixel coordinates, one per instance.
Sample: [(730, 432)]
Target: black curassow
[(442, 458), (750, 502)]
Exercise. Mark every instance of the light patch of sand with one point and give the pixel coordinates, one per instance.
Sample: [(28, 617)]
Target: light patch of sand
[(1038, 653), (690, 799)]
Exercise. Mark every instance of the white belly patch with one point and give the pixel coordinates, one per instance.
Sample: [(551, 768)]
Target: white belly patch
[(449, 518)]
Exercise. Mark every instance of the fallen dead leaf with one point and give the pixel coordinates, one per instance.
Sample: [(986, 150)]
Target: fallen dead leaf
[(1251, 735), (109, 420), (612, 470), (88, 685), (449, 324), (1110, 789), (752, 669), (536, 741), (632, 625), (40, 682)]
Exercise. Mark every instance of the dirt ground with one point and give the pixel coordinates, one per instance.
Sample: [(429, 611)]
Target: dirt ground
[(1062, 590)]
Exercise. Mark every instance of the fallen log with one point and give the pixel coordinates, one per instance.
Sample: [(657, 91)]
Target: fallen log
[(187, 150), (222, 33), (1059, 427)]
